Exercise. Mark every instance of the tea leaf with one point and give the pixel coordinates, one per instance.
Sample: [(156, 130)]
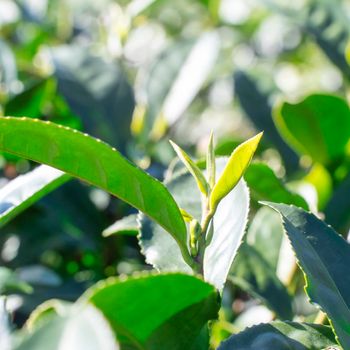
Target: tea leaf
[(234, 170), (24, 190), (324, 257), (265, 185), (312, 126), (192, 168), (281, 336), (97, 163), (141, 321)]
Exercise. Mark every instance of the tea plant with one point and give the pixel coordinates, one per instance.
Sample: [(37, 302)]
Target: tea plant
[(122, 308), (200, 249)]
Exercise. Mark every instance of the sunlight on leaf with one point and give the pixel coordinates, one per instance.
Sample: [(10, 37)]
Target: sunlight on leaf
[(234, 170)]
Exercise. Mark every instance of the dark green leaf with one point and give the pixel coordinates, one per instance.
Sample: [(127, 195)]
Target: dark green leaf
[(337, 210), (136, 311), (281, 336), (29, 102), (254, 275), (324, 257), (97, 91)]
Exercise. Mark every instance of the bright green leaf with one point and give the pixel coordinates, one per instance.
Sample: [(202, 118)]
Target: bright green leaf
[(28, 102), (192, 168), (312, 126), (265, 185), (97, 163), (324, 256), (321, 179), (135, 310), (234, 170), (281, 336)]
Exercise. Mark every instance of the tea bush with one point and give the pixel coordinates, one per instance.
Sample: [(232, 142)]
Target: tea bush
[(137, 208)]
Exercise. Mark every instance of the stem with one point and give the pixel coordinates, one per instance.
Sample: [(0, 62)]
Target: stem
[(202, 244)]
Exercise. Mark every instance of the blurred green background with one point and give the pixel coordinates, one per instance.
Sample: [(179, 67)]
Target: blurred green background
[(137, 73)]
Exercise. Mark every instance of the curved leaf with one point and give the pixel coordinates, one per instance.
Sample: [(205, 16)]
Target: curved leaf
[(192, 168), (281, 336), (234, 170), (135, 310), (324, 257), (20, 193), (312, 126), (96, 163), (265, 185)]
